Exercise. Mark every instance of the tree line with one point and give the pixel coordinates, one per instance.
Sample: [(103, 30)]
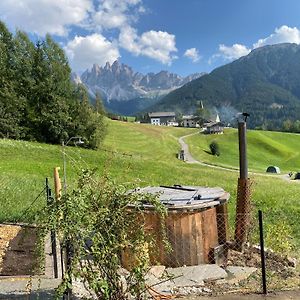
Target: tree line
[(38, 100)]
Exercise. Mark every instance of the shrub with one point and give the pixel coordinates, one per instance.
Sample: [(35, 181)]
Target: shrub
[(214, 148)]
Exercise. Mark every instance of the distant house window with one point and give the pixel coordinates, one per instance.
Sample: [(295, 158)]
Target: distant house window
[(155, 121)]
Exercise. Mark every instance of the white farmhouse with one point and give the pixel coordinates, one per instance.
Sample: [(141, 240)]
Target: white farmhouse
[(163, 118)]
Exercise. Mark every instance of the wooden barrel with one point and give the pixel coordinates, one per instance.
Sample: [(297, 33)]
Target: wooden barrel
[(191, 236), (192, 232)]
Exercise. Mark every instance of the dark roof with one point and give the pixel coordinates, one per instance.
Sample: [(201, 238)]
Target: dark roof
[(189, 117), (161, 114), (212, 124)]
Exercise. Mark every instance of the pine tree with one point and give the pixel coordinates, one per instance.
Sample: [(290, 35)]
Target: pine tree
[(99, 107), (38, 101), (89, 124), (11, 105), (51, 94)]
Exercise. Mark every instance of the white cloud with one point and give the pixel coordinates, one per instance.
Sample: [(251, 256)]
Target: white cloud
[(158, 45), (45, 16), (129, 40), (117, 13), (233, 52), (109, 20), (284, 34), (192, 54), (57, 17), (85, 51)]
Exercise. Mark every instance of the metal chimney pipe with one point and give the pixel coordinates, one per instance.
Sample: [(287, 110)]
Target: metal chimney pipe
[(242, 127), (243, 205)]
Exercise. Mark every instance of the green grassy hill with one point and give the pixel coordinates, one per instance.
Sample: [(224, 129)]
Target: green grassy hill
[(131, 152), (141, 154), (265, 148)]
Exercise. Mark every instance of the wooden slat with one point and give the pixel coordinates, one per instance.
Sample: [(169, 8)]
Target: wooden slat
[(209, 230), (186, 239), (196, 239), (222, 223)]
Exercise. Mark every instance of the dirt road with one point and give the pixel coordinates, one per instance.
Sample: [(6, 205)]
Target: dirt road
[(190, 159)]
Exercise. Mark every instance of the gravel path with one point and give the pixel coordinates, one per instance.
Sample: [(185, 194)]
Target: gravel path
[(26, 288), (190, 159)]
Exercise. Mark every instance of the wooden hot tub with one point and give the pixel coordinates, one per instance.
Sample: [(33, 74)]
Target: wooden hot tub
[(195, 226)]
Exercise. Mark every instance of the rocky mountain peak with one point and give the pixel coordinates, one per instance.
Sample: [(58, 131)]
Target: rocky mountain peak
[(115, 67), (107, 66), (120, 82), (95, 69)]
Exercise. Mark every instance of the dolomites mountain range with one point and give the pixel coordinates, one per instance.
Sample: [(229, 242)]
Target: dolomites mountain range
[(126, 91)]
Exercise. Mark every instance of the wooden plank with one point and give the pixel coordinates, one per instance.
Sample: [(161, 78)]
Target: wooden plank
[(186, 239), (210, 234), (222, 223), (196, 236), (171, 235), (199, 237), (178, 242)]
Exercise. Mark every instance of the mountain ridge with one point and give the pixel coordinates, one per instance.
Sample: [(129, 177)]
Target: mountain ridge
[(118, 83), (265, 83)]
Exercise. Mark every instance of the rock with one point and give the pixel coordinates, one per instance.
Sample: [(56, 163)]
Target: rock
[(153, 276), (207, 290), (221, 281), (152, 280), (237, 274), (156, 271), (292, 262), (165, 288), (183, 291), (196, 275)]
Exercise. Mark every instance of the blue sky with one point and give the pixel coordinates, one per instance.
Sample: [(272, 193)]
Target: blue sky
[(183, 37)]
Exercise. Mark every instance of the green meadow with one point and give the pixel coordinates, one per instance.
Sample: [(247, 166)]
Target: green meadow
[(265, 148), (142, 155)]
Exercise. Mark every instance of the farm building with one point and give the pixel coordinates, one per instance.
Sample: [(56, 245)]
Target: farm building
[(190, 121), (214, 128), (163, 118)]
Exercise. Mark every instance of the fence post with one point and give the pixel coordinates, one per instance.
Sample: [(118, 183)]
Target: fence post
[(52, 233), (57, 186), (262, 252)]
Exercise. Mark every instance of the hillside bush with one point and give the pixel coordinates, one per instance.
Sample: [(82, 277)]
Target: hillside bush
[(214, 148), (95, 220)]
